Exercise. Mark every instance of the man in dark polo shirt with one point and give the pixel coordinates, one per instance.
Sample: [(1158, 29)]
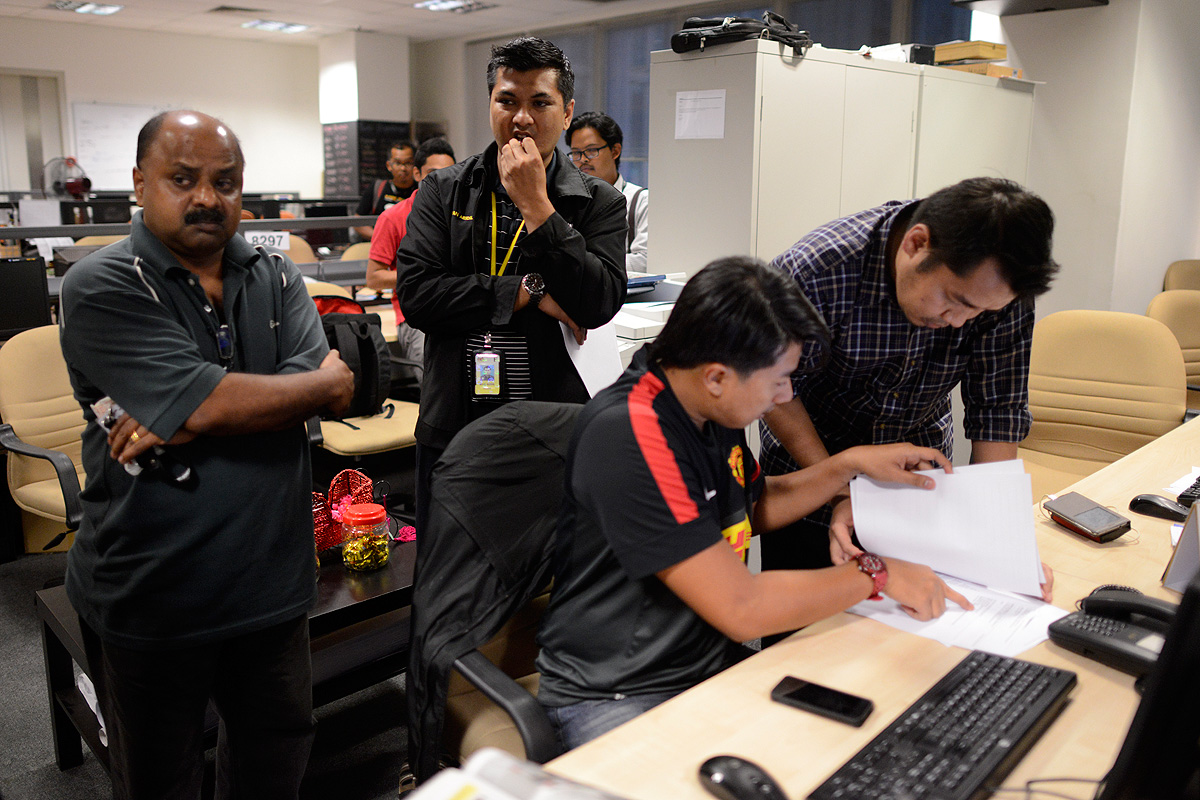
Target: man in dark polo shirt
[(651, 592), (199, 586), (501, 249)]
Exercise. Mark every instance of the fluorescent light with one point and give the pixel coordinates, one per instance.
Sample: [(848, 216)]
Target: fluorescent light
[(275, 26), (457, 6), (100, 9)]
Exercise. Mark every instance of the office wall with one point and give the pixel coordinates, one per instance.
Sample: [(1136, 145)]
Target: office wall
[(266, 92), (1161, 201), (1116, 144), (437, 71)]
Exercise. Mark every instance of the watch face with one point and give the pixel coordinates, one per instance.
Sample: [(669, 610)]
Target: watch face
[(871, 563), (534, 283)]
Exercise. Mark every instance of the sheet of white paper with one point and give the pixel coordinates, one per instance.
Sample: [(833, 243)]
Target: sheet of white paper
[(1002, 623), (700, 115), (1183, 483), (976, 524), (45, 246), (598, 361)]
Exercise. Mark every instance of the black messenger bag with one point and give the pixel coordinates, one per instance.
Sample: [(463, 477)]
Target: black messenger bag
[(698, 32)]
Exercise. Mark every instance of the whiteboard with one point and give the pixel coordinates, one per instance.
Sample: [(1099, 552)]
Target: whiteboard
[(106, 142)]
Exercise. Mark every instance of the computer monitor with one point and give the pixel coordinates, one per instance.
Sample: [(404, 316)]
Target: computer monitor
[(24, 296), (322, 236), (1160, 759)]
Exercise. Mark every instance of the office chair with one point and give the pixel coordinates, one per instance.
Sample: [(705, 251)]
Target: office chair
[(299, 251), (1184, 274), (1101, 385), (1179, 310), (100, 240), (41, 431), (319, 288), (359, 251), (483, 566), (352, 442)]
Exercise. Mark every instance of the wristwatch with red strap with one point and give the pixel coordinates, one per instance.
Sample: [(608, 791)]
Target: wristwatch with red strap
[(874, 566)]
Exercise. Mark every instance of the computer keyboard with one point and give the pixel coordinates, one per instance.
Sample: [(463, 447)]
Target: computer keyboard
[(961, 738), (1190, 494)]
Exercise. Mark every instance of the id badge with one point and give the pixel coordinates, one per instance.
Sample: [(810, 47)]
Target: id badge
[(487, 373)]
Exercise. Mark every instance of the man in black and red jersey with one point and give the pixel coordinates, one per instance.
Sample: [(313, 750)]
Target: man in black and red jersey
[(651, 592)]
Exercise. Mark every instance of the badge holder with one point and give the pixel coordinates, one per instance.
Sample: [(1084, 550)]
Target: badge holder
[(487, 370)]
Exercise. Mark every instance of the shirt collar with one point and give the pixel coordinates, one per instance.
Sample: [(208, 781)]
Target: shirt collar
[(238, 252), (877, 284), (620, 184)]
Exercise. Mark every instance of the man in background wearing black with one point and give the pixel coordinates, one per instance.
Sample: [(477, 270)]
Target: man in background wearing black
[(387, 192), (502, 248)]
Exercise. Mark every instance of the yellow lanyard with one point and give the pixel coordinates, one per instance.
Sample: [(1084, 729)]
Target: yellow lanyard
[(511, 247)]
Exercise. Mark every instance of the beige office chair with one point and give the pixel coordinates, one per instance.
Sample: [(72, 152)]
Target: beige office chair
[(93, 241), (300, 251), (355, 438), (358, 251), (1183, 274), (319, 288), (41, 430), (1101, 385), (1179, 310)]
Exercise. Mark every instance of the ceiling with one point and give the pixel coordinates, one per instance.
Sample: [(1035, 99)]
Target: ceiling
[(327, 17)]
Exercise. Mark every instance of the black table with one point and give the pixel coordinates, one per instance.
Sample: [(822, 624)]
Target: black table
[(358, 628)]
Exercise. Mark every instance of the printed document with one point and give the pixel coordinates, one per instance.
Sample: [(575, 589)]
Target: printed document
[(977, 524), (1002, 623), (597, 360)]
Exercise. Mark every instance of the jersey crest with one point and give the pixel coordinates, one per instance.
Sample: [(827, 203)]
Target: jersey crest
[(737, 465)]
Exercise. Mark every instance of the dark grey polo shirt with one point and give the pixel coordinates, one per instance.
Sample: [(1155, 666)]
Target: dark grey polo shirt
[(156, 564)]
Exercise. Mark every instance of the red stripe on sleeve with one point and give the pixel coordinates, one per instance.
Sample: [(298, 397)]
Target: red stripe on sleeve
[(659, 456)]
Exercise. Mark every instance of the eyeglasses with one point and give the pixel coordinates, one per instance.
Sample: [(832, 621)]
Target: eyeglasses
[(394, 163), (588, 152)]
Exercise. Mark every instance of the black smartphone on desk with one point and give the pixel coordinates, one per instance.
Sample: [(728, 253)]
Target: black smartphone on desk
[(841, 706), (1121, 628)]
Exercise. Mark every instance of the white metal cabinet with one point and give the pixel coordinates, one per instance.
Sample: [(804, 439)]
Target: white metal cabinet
[(809, 140)]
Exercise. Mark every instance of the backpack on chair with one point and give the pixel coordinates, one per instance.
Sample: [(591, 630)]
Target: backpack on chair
[(358, 337)]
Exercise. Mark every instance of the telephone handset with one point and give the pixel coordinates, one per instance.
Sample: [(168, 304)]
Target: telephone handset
[(1118, 627)]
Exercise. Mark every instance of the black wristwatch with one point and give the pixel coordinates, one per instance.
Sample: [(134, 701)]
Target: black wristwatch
[(536, 287)]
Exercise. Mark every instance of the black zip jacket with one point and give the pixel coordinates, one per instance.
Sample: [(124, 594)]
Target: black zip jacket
[(445, 289)]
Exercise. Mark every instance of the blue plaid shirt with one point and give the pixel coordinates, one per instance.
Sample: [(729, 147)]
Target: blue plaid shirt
[(887, 380)]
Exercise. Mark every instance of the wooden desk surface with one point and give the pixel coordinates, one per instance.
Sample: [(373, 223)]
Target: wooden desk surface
[(657, 755)]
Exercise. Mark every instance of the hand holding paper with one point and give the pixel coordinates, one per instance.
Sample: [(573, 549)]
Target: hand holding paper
[(975, 524)]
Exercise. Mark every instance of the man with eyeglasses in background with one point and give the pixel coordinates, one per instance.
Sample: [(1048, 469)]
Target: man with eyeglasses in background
[(595, 140), (387, 192)]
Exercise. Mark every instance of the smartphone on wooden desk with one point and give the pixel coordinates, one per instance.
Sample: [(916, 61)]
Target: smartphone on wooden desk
[(841, 706)]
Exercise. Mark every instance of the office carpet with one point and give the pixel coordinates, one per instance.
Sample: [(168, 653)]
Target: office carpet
[(360, 745)]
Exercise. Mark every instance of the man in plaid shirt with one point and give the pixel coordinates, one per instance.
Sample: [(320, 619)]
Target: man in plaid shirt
[(919, 296)]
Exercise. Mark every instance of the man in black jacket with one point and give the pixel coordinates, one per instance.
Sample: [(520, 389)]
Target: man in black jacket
[(500, 250)]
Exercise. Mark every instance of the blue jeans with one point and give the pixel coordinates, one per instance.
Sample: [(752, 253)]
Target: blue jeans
[(583, 721)]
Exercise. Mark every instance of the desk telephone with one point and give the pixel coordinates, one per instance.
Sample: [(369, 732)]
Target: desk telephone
[(1117, 626)]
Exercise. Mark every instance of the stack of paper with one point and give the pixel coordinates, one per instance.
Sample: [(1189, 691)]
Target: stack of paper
[(975, 528), (654, 311), (976, 524), (632, 326)]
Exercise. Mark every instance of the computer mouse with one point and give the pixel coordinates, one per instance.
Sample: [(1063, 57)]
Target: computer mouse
[(1153, 505), (734, 778)]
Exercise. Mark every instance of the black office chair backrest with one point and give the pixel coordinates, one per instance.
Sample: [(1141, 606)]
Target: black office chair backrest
[(485, 550), (24, 296)]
